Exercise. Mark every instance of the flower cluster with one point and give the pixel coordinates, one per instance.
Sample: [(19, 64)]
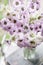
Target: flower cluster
[(25, 30)]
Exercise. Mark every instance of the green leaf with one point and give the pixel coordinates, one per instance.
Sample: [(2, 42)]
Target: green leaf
[(1, 15), (6, 2), (0, 38), (8, 36)]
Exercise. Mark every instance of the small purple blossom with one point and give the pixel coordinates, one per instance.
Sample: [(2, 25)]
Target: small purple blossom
[(20, 24), (22, 43), (16, 4), (4, 23), (26, 28), (25, 16), (7, 42), (34, 6)]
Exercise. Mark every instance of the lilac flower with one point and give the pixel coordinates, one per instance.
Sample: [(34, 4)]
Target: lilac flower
[(20, 30), (22, 8), (25, 16), (13, 30), (35, 27), (16, 4), (9, 15), (20, 24), (26, 28), (27, 3), (38, 26), (8, 42), (9, 26), (21, 43), (26, 43), (21, 1), (14, 21), (28, 38), (34, 6), (4, 23), (31, 27), (16, 14)]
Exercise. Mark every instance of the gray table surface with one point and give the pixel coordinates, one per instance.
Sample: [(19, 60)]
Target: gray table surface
[(16, 58)]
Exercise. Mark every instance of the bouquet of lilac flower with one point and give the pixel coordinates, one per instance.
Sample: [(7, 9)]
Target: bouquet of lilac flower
[(22, 25), (23, 22)]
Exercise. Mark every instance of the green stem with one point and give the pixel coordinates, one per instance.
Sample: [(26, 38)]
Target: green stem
[(3, 39)]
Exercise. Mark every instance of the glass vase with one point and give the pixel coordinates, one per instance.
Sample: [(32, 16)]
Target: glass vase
[(31, 55)]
